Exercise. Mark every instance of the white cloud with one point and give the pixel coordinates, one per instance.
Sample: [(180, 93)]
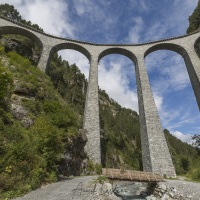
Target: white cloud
[(170, 70), (134, 34), (155, 32), (158, 100), (168, 116), (80, 6), (114, 82), (16, 3), (180, 118), (94, 12), (144, 6), (79, 59), (51, 15), (177, 19), (183, 137), (141, 5), (166, 26)]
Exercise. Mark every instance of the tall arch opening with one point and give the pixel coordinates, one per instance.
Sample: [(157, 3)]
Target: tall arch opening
[(174, 97), (119, 120), (69, 70), (68, 67)]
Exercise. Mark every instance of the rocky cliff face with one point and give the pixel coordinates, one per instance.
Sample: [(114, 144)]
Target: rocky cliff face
[(74, 160), (23, 46)]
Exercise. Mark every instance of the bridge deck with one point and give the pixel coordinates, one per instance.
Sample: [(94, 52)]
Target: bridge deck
[(132, 175)]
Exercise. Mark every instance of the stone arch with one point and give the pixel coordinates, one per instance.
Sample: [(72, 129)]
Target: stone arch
[(73, 46), (188, 62), (117, 50), (23, 32), (67, 45), (167, 46)]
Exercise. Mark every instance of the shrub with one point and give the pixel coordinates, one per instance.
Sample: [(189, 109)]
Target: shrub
[(5, 83), (194, 171), (2, 50), (16, 59)]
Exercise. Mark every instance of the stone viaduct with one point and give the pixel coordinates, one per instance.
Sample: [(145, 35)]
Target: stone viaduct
[(155, 152)]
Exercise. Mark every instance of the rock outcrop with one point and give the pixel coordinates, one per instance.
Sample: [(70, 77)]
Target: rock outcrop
[(74, 161)]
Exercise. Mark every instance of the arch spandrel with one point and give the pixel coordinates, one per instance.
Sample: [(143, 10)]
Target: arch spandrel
[(21, 31), (117, 50)]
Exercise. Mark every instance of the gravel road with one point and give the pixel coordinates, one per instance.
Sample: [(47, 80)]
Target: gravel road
[(62, 190)]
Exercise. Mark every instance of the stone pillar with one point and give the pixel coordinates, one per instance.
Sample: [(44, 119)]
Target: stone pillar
[(91, 114), (155, 152), (192, 62), (44, 58)]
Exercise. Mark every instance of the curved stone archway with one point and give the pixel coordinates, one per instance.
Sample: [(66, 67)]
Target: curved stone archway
[(65, 46), (117, 50), (73, 46), (192, 72), (166, 46), (23, 32)]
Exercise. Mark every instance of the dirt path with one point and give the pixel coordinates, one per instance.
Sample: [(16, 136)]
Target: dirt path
[(62, 190)]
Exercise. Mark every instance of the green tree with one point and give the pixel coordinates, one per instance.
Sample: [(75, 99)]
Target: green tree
[(194, 20), (10, 12)]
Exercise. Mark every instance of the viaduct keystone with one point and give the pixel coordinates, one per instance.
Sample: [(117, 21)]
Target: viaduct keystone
[(155, 152)]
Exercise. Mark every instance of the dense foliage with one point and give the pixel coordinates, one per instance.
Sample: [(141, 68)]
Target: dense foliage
[(183, 154), (194, 20), (69, 81), (121, 147)]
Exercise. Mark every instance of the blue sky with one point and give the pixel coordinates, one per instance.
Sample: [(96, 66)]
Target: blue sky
[(127, 21)]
